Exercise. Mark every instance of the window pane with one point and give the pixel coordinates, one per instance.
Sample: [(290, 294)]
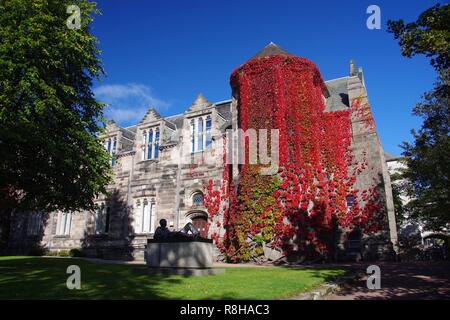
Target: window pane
[(197, 199), (146, 217), (150, 136), (67, 224), (152, 218), (150, 141), (208, 140), (200, 134), (192, 135)]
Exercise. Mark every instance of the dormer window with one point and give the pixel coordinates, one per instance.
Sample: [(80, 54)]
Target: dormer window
[(111, 147), (150, 144), (200, 134), (208, 132), (200, 129)]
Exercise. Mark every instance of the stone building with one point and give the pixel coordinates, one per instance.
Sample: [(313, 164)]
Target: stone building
[(161, 166)]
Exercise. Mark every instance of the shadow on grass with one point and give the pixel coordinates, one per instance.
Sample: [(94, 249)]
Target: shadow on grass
[(45, 278)]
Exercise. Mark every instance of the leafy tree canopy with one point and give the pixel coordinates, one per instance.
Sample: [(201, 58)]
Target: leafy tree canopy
[(50, 156), (428, 156)]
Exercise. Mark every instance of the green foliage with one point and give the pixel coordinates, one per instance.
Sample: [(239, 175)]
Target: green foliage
[(428, 157), (429, 35), (428, 160), (258, 214), (76, 253), (49, 118), (397, 191), (63, 253)]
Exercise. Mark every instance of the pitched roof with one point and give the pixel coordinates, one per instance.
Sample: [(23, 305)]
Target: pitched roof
[(390, 157), (199, 103), (151, 115), (270, 50), (338, 99)]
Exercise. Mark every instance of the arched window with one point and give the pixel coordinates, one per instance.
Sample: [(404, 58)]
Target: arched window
[(150, 144), (109, 145), (156, 143), (208, 132), (200, 134), (198, 199), (192, 135), (114, 151), (144, 142)]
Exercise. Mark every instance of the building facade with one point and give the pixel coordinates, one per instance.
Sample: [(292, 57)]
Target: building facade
[(161, 167)]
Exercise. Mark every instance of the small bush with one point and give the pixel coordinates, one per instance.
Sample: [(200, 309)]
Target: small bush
[(63, 253), (76, 253), (52, 253)]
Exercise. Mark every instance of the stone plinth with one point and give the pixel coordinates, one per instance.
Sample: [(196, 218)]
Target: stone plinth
[(192, 254)]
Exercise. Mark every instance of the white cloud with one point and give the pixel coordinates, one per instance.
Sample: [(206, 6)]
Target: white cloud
[(128, 103)]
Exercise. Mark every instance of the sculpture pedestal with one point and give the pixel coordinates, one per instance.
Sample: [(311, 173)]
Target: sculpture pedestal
[(180, 257)]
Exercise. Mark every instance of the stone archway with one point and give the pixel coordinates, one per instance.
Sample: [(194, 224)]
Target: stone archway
[(199, 219)]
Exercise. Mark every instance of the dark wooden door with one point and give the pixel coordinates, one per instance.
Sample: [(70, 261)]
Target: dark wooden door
[(201, 225)]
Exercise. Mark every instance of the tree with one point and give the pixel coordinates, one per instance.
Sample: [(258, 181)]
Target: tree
[(51, 158), (428, 157)]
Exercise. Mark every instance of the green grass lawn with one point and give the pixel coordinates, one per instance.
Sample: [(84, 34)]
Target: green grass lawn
[(45, 278)]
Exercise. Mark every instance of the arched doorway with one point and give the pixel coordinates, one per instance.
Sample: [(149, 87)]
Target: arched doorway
[(200, 221)]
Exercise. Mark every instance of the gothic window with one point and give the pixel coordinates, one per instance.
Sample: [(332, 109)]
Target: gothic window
[(144, 142), (201, 138), (208, 133), (111, 147), (150, 146), (101, 219), (34, 223), (192, 135), (156, 143), (200, 134), (114, 151), (198, 199), (144, 216), (63, 224)]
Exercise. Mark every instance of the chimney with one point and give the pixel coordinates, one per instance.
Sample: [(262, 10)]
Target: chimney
[(361, 76), (352, 68)]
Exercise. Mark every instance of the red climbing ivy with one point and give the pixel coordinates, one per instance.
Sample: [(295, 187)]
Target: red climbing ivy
[(299, 209)]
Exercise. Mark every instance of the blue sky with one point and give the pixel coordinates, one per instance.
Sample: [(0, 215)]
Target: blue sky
[(163, 53)]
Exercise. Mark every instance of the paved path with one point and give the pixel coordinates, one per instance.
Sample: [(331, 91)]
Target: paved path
[(412, 280)]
